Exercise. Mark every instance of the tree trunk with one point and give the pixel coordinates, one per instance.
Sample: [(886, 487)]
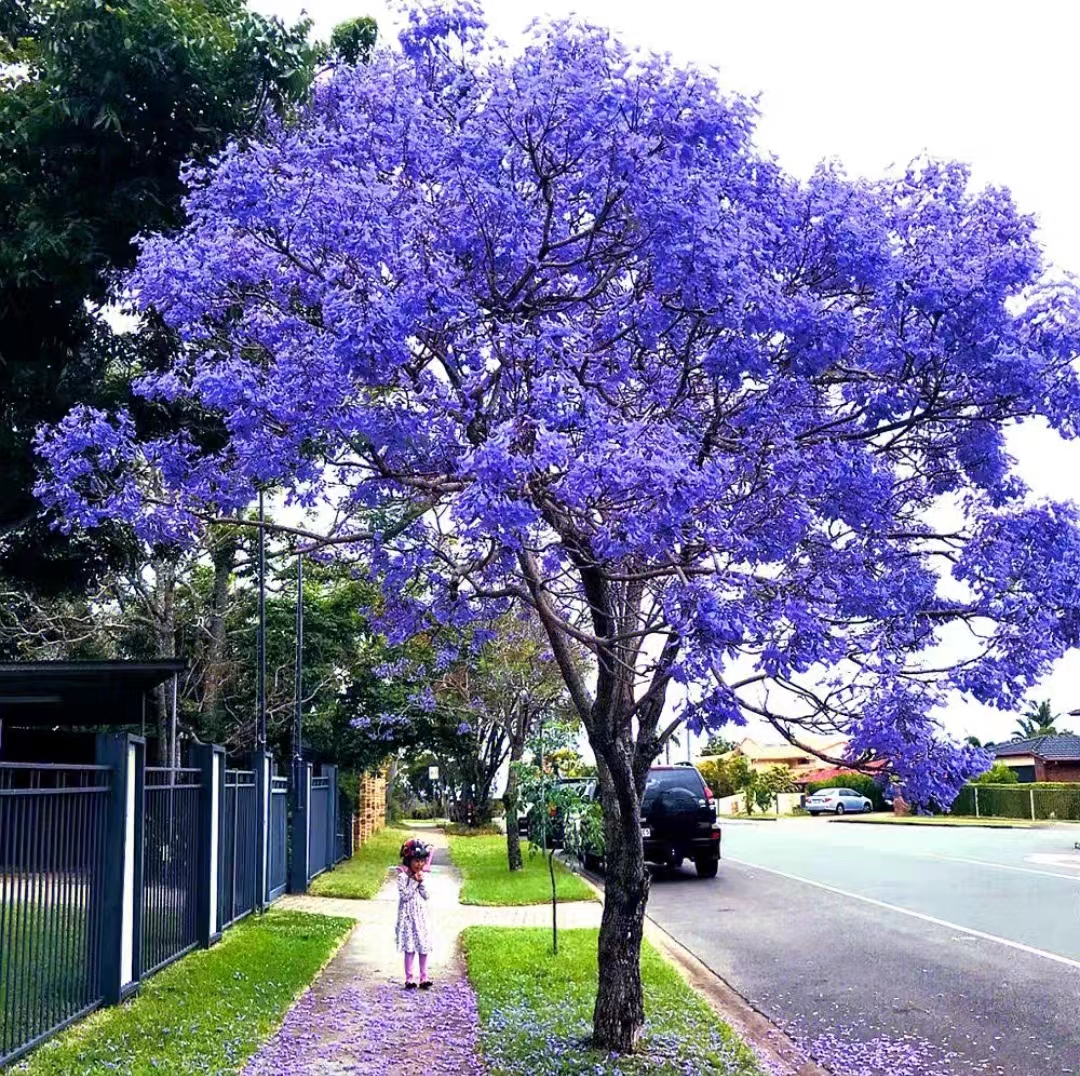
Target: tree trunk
[(510, 802), (619, 1015)]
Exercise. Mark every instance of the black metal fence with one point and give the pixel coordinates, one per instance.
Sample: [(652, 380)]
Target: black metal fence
[(170, 925), (52, 865), (108, 872), (279, 836), (239, 839)]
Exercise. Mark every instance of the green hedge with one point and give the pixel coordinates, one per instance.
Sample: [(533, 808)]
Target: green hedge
[(862, 783), (1053, 800)]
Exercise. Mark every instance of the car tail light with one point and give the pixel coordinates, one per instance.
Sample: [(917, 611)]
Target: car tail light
[(708, 793)]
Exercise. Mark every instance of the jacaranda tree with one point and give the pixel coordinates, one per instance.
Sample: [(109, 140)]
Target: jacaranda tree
[(551, 322)]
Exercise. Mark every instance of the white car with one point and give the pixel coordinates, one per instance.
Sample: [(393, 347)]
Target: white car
[(838, 801)]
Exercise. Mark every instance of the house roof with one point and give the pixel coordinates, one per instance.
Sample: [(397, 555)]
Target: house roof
[(755, 751), (833, 773), (1063, 748), (78, 693)]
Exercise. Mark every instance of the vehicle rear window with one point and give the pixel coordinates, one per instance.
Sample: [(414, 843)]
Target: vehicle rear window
[(661, 780)]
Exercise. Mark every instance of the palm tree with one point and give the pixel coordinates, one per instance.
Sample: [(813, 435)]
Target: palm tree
[(1037, 721)]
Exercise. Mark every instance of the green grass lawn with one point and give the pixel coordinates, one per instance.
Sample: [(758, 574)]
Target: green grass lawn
[(486, 879), (536, 1011), (206, 1013), (361, 876)]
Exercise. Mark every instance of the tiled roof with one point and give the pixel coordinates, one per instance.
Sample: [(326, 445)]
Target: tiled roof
[(1064, 748)]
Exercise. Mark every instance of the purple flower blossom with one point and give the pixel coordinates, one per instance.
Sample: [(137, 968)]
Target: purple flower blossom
[(560, 332)]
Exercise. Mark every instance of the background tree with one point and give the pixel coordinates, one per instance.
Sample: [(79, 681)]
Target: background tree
[(93, 133), (1038, 720), (718, 745), (560, 336)]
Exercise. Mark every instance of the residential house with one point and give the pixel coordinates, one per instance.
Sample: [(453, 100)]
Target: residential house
[(798, 760), (1042, 758)]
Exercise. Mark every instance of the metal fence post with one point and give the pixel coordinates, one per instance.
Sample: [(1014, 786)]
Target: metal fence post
[(210, 760), (1031, 793), (261, 764), (976, 789), (300, 828), (121, 901)]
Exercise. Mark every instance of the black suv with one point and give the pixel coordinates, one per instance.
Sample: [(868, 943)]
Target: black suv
[(678, 820)]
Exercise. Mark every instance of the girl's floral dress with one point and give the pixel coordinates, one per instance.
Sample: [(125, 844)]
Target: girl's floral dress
[(411, 932)]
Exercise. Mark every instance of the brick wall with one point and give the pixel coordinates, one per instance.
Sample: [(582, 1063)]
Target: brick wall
[(1058, 771), (370, 814)]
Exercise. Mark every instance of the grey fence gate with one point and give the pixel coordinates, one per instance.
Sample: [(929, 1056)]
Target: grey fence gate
[(321, 841), (171, 835), (52, 868), (237, 881), (279, 836)]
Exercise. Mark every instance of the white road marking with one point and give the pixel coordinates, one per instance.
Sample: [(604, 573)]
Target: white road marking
[(1057, 958), (1055, 859), (1002, 866)]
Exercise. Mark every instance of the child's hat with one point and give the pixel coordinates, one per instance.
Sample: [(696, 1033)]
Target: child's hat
[(414, 848)]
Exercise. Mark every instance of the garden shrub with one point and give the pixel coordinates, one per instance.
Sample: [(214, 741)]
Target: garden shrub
[(1053, 800)]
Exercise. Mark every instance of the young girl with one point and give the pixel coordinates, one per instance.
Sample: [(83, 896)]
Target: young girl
[(412, 928)]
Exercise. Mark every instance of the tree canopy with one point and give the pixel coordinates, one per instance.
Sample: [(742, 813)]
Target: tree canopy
[(550, 331), (101, 105)]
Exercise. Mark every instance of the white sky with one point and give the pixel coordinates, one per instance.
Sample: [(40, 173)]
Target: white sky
[(875, 85)]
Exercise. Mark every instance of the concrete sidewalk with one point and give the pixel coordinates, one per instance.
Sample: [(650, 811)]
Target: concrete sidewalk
[(357, 1017)]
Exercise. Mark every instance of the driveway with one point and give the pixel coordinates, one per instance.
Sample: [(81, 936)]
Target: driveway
[(896, 951)]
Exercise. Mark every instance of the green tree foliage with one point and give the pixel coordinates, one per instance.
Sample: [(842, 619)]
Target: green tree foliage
[(100, 106), (998, 774), (1038, 720), (353, 40), (718, 745)]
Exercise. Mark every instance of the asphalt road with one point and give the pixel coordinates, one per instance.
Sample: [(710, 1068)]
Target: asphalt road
[(896, 951)]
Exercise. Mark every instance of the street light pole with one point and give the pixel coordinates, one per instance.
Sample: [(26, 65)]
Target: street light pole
[(298, 717), (260, 690)]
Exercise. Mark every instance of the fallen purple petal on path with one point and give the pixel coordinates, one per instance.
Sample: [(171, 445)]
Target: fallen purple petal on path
[(365, 1027)]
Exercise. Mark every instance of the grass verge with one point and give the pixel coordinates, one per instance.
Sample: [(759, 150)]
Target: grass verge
[(361, 876), (536, 1011), (486, 879), (206, 1013)]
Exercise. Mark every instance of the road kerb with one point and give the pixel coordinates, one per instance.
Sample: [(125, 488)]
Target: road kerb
[(768, 1041), (862, 820)]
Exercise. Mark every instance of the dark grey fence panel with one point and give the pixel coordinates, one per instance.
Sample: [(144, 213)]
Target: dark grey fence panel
[(279, 836), (52, 858), (321, 847), (237, 867), (170, 865)]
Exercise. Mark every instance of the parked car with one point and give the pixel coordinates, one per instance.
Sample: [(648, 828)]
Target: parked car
[(838, 801), (678, 820)]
